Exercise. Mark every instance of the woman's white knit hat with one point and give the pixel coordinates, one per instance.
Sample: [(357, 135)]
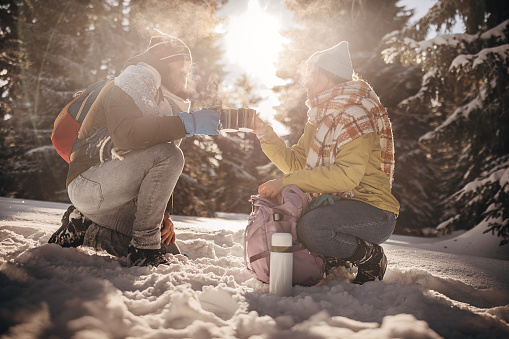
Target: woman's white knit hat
[(335, 60)]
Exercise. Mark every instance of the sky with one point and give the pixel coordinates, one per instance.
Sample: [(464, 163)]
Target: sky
[(252, 43), (451, 287)]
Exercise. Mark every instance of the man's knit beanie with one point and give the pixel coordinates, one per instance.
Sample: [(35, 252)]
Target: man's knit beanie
[(335, 60), (168, 48)]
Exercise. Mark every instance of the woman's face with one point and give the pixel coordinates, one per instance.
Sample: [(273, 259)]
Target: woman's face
[(315, 81), (180, 70)]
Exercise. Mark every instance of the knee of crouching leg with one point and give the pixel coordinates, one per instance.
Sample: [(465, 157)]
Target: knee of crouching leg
[(177, 157), (303, 231), (171, 153)]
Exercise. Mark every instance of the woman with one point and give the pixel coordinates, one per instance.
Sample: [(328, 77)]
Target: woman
[(344, 161)]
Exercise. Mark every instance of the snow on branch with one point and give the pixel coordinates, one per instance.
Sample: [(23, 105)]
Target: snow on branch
[(462, 112), (469, 61), (485, 199), (417, 52), (498, 176), (497, 32)]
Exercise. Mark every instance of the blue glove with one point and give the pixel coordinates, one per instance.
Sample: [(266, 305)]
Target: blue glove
[(204, 121), (323, 200)]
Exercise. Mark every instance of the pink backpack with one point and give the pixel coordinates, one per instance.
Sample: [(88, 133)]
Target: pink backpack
[(270, 216)]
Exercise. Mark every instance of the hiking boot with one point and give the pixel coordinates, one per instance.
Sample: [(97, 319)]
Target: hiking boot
[(73, 229), (370, 261), (145, 257), (332, 262)]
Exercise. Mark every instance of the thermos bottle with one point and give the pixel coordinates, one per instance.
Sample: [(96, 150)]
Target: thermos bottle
[(281, 265)]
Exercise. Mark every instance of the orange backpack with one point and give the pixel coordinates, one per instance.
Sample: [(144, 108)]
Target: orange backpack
[(68, 123)]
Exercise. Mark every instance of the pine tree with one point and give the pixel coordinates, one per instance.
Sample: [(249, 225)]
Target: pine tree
[(10, 87), (463, 106), (43, 55), (9, 59)]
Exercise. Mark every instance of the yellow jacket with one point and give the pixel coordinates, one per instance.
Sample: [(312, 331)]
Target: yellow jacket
[(357, 168)]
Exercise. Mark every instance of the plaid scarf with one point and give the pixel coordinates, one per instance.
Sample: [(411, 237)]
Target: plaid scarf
[(342, 114)]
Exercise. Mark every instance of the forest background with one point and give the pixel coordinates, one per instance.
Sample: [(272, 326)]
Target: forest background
[(447, 96)]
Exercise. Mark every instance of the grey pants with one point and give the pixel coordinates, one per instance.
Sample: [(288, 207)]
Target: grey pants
[(332, 230), (129, 196)]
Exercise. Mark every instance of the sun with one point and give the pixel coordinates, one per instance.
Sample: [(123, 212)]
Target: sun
[(253, 43)]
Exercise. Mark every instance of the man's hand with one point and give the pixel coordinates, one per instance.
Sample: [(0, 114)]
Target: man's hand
[(271, 188), (205, 121), (167, 230)]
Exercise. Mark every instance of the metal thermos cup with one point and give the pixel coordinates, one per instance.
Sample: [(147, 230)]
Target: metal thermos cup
[(229, 120), (246, 119)]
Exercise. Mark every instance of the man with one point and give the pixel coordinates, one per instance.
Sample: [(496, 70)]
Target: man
[(123, 175), (344, 161)]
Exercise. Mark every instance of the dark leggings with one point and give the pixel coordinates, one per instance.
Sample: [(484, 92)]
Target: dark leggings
[(332, 230)]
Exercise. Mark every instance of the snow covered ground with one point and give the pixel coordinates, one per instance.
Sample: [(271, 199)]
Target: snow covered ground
[(452, 288)]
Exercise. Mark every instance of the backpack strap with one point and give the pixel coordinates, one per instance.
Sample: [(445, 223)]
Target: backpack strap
[(85, 101), (87, 127), (80, 108), (259, 256), (279, 249)]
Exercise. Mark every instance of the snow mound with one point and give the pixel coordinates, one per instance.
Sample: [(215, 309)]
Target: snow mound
[(49, 291)]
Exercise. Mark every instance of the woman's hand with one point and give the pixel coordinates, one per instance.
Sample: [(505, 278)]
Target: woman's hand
[(271, 188), (167, 230), (260, 127)]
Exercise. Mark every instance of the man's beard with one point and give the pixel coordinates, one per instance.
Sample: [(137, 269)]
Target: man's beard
[(178, 91), (184, 94)]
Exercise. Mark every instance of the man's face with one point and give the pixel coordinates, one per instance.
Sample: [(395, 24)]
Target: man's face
[(315, 81), (180, 70)]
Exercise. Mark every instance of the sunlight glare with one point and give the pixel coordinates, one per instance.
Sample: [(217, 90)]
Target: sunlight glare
[(253, 42)]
